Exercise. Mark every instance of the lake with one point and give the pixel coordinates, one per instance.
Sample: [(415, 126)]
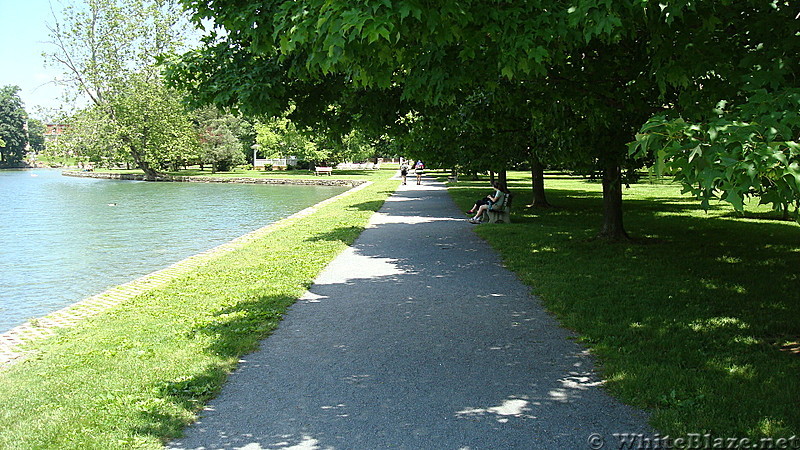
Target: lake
[(67, 238)]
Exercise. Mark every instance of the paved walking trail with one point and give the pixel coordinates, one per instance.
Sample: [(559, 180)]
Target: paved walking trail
[(416, 337)]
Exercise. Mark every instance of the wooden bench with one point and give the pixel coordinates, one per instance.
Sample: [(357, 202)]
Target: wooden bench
[(323, 170), (501, 213)]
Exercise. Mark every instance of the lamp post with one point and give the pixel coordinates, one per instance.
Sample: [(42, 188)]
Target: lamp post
[(255, 148)]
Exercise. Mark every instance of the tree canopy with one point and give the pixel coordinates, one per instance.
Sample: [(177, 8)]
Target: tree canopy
[(610, 66)]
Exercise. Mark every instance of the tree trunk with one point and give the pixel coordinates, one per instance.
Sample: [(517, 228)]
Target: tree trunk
[(613, 228), (537, 180), (150, 174), (502, 180)]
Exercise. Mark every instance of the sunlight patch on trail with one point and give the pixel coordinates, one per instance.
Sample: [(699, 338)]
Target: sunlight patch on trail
[(510, 407)]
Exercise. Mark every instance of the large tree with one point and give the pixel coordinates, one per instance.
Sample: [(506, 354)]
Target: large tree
[(727, 98), (279, 137), (108, 50), (144, 123), (239, 127), (219, 147), (12, 126)]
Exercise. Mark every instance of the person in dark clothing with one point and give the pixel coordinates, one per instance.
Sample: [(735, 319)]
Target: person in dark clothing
[(404, 171), (484, 200), (418, 169)]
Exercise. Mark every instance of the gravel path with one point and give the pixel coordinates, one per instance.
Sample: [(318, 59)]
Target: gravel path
[(416, 337)]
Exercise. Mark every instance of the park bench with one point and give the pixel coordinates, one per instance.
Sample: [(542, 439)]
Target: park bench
[(323, 170), (500, 212)]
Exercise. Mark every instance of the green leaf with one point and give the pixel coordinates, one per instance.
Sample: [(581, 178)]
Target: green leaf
[(712, 133), (697, 151), (735, 199), (384, 33), (405, 10)]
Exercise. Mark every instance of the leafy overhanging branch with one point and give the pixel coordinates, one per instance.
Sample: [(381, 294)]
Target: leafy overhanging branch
[(750, 151)]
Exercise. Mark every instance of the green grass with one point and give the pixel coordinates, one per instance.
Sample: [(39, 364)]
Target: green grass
[(57, 161), (136, 374), (687, 320)]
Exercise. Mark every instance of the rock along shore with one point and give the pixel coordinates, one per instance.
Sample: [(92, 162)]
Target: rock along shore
[(207, 179)]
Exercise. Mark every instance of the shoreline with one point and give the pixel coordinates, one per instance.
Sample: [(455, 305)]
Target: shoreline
[(212, 179)]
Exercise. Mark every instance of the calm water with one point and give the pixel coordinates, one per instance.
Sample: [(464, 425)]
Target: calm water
[(66, 238)]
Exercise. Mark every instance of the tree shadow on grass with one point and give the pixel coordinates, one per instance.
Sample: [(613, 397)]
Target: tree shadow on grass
[(761, 215), (236, 330), (340, 234), (687, 326), (367, 206), (187, 394), (584, 206), (694, 323)]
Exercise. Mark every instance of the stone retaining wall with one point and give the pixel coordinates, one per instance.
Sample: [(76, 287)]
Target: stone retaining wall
[(207, 179)]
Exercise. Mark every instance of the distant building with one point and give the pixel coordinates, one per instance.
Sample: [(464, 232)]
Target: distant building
[(276, 163), (52, 131)]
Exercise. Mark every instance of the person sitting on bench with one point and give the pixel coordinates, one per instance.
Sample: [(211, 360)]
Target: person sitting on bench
[(491, 200), (478, 203)]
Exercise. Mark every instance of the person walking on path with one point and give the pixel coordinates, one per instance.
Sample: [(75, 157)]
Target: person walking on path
[(404, 171), (419, 168), (415, 337)]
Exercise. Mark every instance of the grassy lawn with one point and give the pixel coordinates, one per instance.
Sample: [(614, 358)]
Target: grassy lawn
[(688, 320), (136, 374)]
